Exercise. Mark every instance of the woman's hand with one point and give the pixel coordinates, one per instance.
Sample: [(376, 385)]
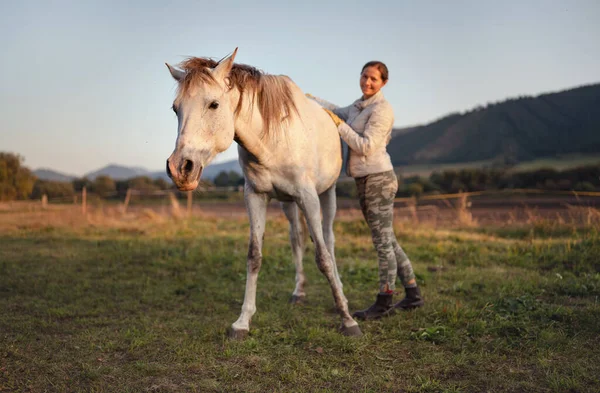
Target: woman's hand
[(334, 117)]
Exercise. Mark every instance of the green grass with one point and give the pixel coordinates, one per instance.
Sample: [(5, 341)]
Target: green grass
[(425, 170), (145, 307), (560, 163)]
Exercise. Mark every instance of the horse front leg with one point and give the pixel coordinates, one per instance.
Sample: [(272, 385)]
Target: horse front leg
[(256, 205), (297, 241), (309, 204)]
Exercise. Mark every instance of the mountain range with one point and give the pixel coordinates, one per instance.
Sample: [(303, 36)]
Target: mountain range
[(511, 131), (514, 130), (119, 172)]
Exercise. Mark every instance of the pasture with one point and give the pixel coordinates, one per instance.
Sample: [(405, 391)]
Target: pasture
[(112, 302)]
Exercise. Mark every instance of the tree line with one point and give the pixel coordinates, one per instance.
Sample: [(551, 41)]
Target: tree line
[(18, 182), (585, 178)]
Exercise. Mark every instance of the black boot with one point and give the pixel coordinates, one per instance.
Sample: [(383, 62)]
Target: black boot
[(382, 308), (412, 300)]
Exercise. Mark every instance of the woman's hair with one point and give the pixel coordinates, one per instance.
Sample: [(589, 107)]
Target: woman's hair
[(380, 66)]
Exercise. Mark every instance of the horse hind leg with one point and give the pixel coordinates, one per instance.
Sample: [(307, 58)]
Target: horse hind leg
[(297, 240), (329, 207), (310, 206), (256, 204)]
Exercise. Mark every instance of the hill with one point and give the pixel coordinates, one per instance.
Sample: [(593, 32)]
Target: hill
[(515, 130), (49, 174), (118, 172)]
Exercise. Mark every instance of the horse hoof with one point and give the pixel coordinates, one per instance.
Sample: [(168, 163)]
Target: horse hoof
[(235, 334), (352, 331), (295, 299)]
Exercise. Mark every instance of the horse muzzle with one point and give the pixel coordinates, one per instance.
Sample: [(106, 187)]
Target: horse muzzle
[(184, 173)]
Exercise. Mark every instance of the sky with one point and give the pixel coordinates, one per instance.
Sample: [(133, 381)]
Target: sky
[(83, 84)]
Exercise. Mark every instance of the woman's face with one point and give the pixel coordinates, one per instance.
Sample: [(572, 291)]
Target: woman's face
[(370, 81)]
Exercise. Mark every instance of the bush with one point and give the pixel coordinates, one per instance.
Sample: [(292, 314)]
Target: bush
[(346, 189), (584, 186), (53, 189), (414, 189), (104, 186), (142, 183), (78, 184), (16, 181), (228, 179)]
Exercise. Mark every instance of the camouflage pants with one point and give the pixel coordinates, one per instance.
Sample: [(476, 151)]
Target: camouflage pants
[(376, 194)]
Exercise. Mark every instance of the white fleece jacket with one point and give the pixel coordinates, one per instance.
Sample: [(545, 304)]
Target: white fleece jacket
[(367, 131)]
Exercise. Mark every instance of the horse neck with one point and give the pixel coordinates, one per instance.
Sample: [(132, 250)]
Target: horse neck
[(249, 126)]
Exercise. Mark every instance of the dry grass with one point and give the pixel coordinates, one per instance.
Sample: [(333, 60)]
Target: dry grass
[(457, 214)]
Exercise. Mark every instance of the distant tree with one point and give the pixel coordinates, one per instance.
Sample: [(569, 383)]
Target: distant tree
[(585, 186), (346, 189), (235, 179), (162, 184), (78, 184), (104, 186), (142, 183), (122, 186), (457, 186), (16, 181), (414, 189), (437, 178), (53, 189), (222, 179), (227, 179), (564, 184), (550, 184)]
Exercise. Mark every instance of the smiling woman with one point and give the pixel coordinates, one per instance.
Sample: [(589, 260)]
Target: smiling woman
[(367, 131), (373, 77)]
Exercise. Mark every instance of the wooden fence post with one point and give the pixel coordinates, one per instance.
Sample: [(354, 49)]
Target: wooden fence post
[(463, 209), (84, 200), (127, 198), (189, 203), (412, 206), (174, 205), (44, 201)]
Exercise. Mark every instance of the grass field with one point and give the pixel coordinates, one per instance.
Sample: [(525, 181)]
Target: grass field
[(142, 303)]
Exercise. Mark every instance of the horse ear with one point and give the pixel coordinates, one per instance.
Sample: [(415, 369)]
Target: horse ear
[(178, 75), (222, 69)]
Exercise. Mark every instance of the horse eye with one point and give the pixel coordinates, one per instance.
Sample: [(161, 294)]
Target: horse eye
[(214, 105)]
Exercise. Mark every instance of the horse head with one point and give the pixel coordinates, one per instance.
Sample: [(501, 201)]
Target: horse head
[(205, 114)]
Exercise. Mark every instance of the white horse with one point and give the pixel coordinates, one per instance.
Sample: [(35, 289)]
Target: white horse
[(289, 149)]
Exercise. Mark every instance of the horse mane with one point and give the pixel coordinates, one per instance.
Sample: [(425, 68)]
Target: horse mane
[(272, 92)]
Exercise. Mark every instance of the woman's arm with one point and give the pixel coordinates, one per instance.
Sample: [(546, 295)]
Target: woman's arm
[(342, 113), (376, 133), (324, 103)]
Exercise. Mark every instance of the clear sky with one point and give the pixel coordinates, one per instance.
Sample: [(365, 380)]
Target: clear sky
[(83, 83)]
